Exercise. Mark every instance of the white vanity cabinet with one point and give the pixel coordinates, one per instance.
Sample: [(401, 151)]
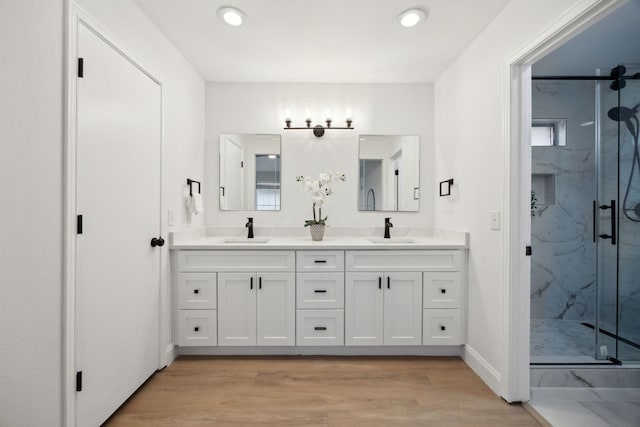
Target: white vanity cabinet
[(442, 304), (250, 298), (310, 297), (383, 308), (395, 297), (197, 303), (320, 298), (256, 309)]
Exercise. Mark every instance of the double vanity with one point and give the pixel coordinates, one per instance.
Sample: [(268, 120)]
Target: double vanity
[(282, 293)]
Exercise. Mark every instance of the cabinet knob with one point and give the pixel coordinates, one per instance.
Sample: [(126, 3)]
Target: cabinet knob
[(196, 291), (443, 328), (196, 329), (444, 291)]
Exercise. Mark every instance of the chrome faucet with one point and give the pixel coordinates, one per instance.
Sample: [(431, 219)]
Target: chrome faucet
[(249, 225), (387, 226)]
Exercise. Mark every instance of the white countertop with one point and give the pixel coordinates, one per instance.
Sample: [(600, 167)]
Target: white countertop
[(352, 238)]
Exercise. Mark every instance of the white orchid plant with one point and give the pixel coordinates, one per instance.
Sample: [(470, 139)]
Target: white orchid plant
[(320, 189)]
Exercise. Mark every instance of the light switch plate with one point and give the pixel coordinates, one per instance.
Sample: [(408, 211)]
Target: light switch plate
[(494, 218)]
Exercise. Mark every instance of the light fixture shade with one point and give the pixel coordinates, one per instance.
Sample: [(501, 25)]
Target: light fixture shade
[(232, 16), (411, 18)]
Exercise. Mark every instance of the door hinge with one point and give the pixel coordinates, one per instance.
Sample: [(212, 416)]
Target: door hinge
[(79, 381), (527, 250), (79, 224), (81, 67)]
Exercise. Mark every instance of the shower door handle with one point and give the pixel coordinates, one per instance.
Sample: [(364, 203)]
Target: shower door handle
[(611, 236)]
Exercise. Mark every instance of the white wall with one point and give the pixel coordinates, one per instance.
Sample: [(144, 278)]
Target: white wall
[(31, 182), (31, 112), (470, 147), (384, 109)]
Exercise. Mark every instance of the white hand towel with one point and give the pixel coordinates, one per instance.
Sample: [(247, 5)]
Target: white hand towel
[(197, 206)]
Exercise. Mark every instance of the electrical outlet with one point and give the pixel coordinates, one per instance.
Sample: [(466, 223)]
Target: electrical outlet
[(171, 220), (494, 219)]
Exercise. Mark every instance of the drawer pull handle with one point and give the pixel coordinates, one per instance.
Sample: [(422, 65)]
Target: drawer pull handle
[(388, 282), (320, 261), (196, 329), (443, 328), (259, 282), (251, 283), (320, 291), (320, 328), (196, 291), (444, 291), (379, 282)]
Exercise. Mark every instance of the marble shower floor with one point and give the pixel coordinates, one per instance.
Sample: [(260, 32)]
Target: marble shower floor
[(568, 341), (587, 407)]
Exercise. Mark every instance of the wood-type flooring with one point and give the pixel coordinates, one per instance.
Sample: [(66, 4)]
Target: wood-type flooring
[(318, 391)]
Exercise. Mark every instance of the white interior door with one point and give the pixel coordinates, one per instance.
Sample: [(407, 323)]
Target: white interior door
[(118, 194)]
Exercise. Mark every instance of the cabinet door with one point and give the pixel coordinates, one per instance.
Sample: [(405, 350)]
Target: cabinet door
[(403, 308), (363, 309), (236, 309), (276, 309)]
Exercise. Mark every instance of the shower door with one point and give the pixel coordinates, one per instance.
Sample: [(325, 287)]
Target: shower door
[(617, 220)]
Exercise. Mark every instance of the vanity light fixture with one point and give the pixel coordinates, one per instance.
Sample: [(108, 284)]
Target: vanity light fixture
[(318, 130), (412, 17), (231, 16)]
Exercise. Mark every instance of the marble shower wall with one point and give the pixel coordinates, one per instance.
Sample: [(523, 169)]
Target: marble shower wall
[(563, 259)]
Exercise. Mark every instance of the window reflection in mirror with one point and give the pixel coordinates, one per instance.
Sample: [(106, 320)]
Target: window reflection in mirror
[(389, 176), (250, 172)]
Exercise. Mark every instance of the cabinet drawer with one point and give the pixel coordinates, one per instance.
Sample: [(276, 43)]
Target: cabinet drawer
[(320, 290), (267, 260), (441, 290), (319, 261), (197, 328), (197, 291), (441, 326), (319, 327), (391, 260)]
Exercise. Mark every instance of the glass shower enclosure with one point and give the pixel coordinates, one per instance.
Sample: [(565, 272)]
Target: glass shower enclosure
[(585, 207)]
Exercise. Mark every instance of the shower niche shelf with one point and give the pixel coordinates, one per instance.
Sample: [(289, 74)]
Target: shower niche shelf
[(544, 187)]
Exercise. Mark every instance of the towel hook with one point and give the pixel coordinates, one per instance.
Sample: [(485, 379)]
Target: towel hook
[(190, 183)]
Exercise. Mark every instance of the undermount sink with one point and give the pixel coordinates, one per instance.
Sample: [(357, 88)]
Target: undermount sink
[(245, 240), (391, 240)]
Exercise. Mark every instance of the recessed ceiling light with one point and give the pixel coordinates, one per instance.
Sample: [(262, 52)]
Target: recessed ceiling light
[(231, 16), (411, 18)]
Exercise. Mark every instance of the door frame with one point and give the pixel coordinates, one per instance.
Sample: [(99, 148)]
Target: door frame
[(75, 16), (517, 181)]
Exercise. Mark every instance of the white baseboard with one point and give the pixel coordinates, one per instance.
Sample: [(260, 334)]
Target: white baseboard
[(483, 368), (171, 352), (453, 350)]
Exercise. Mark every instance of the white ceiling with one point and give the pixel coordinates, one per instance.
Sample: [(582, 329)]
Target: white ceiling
[(332, 41), (613, 40)]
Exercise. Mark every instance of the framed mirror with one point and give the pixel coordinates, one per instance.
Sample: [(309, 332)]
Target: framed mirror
[(250, 168), (389, 175)]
